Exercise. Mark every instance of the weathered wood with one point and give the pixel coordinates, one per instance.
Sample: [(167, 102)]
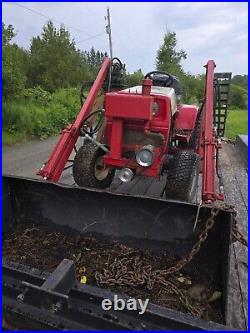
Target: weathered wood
[(235, 180)]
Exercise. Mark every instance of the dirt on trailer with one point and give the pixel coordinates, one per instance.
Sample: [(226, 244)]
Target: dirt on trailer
[(119, 268)]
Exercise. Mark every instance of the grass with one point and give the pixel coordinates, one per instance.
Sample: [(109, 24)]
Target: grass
[(29, 118), (237, 123), (10, 138)]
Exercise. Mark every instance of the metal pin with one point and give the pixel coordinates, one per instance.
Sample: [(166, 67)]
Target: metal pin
[(197, 215)]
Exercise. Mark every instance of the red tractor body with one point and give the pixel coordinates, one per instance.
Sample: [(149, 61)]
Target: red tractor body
[(145, 130), (140, 117)]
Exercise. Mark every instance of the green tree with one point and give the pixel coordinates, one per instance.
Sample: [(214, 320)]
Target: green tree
[(134, 79), (14, 60), (168, 59), (8, 34), (240, 80), (94, 59), (55, 61), (238, 97)]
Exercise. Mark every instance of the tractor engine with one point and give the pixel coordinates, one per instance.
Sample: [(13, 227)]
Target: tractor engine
[(138, 128)]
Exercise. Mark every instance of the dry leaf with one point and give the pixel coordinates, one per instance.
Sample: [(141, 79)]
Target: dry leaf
[(215, 296), (82, 270), (181, 279), (83, 279)]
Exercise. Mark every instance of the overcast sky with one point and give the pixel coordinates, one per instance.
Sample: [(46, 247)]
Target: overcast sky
[(204, 30)]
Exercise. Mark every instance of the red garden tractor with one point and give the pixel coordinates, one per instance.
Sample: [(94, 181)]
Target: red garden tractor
[(145, 131), (138, 131)]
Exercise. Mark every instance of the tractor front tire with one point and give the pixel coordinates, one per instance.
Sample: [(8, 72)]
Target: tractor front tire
[(182, 180), (88, 168)]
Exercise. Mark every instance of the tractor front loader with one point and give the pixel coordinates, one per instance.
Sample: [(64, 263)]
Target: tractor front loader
[(144, 131), (137, 131)]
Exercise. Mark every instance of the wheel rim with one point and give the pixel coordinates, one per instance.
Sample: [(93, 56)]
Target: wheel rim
[(101, 172)]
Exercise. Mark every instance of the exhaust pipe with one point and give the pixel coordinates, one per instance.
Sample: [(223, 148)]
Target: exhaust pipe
[(126, 175)]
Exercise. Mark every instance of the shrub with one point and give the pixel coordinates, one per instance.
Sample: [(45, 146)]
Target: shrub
[(40, 114), (38, 94)]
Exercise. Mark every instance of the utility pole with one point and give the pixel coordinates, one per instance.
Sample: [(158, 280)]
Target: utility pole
[(108, 30)]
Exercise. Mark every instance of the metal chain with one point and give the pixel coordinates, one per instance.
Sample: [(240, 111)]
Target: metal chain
[(181, 263), (129, 271), (197, 246), (228, 140), (237, 235), (170, 285)]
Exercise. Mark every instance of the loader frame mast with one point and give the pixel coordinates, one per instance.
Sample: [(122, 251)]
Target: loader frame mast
[(53, 169), (209, 143)]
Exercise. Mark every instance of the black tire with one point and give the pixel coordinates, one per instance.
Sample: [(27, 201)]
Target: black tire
[(194, 138), (84, 167), (182, 180)]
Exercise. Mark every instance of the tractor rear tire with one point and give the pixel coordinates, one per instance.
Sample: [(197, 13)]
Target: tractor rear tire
[(88, 167), (194, 138), (182, 180)]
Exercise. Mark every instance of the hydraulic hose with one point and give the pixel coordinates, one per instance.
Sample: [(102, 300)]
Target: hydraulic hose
[(94, 130)]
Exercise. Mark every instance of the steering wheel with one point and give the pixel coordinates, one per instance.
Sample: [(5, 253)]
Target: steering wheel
[(117, 64), (168, 81)]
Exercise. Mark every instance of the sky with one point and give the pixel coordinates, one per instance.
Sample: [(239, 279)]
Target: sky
[(205, 30)]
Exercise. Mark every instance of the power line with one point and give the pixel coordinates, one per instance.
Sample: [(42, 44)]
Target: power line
[(52, 19), (85, 40), (91, 10)]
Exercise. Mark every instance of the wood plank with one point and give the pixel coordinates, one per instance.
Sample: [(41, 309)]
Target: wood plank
[(235, 185), (156, 187), (142, 185)]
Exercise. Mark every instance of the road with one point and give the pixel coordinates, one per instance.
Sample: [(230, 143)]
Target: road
[(24, 159)]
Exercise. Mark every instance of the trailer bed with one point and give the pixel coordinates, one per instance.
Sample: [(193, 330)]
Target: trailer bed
[(235, 176)]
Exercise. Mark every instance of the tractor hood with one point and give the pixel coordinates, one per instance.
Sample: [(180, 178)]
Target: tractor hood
[(155, 90)]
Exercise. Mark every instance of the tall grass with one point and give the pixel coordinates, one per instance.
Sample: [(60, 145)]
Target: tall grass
[(237, 123), (39, 118)]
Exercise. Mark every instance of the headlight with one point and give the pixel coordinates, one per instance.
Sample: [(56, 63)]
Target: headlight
[(145, 156)]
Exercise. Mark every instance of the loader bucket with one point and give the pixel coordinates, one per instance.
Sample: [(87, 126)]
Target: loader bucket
[(34, 297)]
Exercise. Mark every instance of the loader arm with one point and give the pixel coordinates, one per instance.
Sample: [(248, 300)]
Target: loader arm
[(209, 142), (53, 169)]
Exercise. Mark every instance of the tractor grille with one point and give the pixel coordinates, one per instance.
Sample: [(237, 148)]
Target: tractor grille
[(131, 137)]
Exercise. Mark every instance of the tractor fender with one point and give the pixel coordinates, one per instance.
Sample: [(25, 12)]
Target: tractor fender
[(185, 117)]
